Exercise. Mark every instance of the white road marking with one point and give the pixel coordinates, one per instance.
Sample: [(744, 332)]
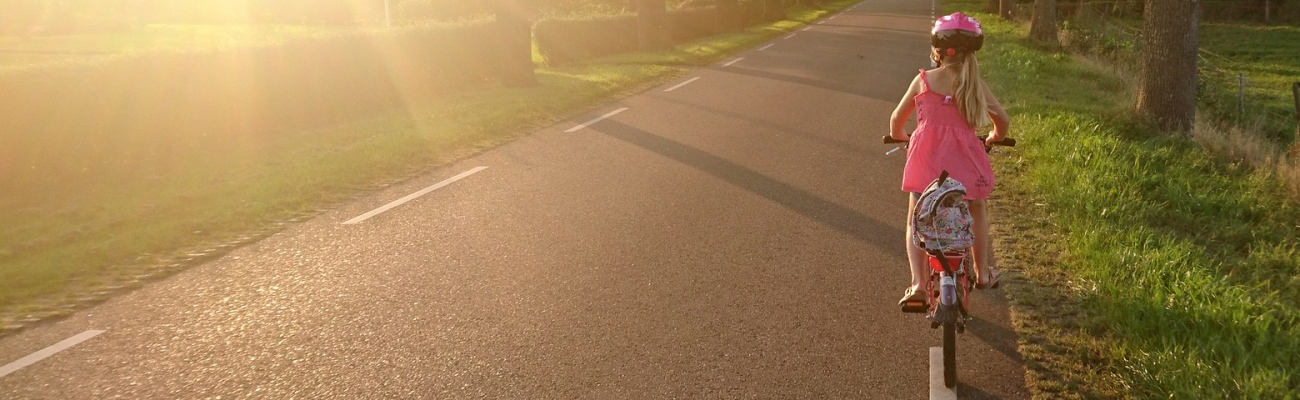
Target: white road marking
[(47, 352), (728, 64), (937, 390), (892, 151), (766, 47), (584, 125), (807, 29), (679, 85), (791, 35), (412, 196)]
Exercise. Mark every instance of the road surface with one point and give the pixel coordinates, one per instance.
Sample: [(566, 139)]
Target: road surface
[(737, 236)]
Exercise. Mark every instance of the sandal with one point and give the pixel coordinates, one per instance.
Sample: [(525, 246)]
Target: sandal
[(913, 301), (995, 277)]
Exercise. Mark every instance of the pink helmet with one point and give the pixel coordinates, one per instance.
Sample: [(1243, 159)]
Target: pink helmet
[(957, 31)]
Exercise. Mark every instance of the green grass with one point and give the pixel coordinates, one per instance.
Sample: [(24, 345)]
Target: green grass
[(59, 250), (1150, 267), (1267, 56), (1264, 54)]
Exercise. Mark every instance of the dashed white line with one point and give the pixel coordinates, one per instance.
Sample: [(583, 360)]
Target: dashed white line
[(766, 47), (728, 64), (47, 352), (892, 151), (679, 85), (584, 125), (790, 36), (412, 196), (937, 390), (806, 29)]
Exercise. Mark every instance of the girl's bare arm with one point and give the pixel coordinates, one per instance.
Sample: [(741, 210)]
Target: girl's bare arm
[(1001, 121), (904, 110)]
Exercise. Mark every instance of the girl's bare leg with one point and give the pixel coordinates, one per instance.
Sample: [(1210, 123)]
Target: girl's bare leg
[(915, 256), (983, 247)]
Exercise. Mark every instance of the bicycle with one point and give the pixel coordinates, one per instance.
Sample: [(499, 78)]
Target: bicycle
[(947, 290)]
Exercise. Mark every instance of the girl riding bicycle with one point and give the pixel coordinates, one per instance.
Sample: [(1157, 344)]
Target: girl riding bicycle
[(951, 102)]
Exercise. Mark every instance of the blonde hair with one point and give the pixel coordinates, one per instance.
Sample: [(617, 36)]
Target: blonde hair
[(970, 91)]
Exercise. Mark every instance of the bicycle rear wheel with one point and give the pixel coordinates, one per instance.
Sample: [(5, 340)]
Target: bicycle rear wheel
[(950, 354)]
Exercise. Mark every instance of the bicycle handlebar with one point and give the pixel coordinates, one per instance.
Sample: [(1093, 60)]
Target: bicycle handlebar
[(1009, 142)]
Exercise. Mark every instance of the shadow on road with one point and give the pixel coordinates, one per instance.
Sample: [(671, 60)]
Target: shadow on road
[(830, 144), (843, 219)]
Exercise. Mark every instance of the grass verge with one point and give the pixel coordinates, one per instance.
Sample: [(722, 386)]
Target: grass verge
[(58, 253), (1148, 266)]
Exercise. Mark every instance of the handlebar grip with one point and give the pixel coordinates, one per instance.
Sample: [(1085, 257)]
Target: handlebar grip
[(890, 140), (1009, 142)]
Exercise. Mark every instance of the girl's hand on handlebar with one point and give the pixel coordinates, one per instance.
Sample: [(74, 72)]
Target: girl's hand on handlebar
[(992, 139)]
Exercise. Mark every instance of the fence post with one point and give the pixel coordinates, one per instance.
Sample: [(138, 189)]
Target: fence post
[(1241, 98)]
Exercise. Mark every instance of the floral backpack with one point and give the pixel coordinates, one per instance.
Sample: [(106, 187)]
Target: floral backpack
[(941, 221)]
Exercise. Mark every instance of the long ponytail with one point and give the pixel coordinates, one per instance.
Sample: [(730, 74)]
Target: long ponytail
[(970, 93)]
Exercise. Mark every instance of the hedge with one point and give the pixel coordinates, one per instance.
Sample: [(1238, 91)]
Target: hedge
[(565, 41)]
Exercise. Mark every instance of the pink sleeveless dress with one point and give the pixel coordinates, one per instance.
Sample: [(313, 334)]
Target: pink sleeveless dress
[(944, 141)]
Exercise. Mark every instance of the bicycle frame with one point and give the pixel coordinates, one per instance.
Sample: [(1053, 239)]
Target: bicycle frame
[(949, 289)]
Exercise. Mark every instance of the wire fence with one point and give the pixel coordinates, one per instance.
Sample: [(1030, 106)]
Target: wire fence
[(1234, 94)]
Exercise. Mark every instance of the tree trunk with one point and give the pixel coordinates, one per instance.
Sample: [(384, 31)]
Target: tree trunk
[(514, 43), (1043, 25), (1005, 8), (1295, 92), (993, 6), (1167, 78), (1268, 10), (652, 24), (729, 17)]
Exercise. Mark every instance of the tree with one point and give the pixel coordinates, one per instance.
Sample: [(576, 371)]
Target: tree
[(993, 6), (1167, 70), (1005, 8), (514, 34), (729, 16), (1043, 25), (652, 24)]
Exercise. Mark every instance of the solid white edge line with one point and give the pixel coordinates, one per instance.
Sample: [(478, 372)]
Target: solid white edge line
[(937, 390), (728, 64), (584, 125), (412, 196), (679, 85), (892, 151), (791, 35), (47, 352), (764, 48), (807, 29)]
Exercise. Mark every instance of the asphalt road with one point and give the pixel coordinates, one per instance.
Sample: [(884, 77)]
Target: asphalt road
[(737, 237)]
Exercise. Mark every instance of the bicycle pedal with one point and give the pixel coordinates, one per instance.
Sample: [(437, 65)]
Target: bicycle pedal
[(915, 307)]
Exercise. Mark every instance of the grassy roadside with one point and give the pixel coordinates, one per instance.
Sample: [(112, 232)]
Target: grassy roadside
[(1147, 266), (60, 252)]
